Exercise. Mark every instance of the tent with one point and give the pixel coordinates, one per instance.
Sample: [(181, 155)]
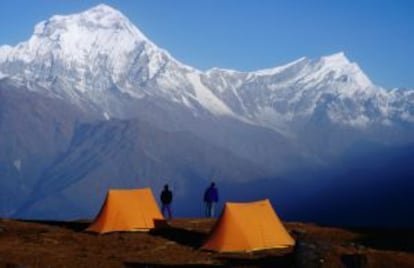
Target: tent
[(127, 210), (247, 227)]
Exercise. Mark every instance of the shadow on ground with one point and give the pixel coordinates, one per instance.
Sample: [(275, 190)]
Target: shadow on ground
[(151, 265), (385, 239), (286, 261), (76, 226), (354, 260), (182, 236)]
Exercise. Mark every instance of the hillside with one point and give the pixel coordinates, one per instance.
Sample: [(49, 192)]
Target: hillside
[(64, 244)]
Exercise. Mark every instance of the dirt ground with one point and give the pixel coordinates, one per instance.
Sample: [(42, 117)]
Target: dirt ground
[(65, 244)]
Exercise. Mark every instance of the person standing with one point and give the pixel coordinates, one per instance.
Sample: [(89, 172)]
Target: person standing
[(210, 200), (166, 199)]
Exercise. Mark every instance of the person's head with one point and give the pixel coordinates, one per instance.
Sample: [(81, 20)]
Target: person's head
[(166, 187), (212, 184)]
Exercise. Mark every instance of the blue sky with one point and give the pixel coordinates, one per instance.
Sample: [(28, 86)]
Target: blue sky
[(254, 34)]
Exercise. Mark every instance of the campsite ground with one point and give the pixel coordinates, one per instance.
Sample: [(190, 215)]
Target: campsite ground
[(63, 244)]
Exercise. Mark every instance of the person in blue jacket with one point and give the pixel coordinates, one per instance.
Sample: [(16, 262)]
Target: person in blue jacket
[(210, 199)]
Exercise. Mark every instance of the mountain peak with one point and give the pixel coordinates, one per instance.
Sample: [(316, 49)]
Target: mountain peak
[(103, 8), (104, 15), (100, 17), (337, 58), (85, 35), (344, 69), (92, 49)]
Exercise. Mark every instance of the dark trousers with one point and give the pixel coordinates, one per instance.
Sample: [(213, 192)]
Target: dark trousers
[(164, 208), (209, 209)]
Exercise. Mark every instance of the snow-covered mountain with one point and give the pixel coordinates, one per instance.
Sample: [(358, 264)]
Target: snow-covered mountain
[(111, 82), (98, 58)]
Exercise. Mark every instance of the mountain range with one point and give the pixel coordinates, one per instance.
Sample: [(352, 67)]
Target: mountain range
[(89, 103)]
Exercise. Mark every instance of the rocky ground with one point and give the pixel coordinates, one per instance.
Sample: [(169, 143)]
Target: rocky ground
[(65, 244)]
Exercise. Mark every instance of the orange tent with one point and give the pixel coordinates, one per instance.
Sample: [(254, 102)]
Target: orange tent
[(247, 227), (127, 210)]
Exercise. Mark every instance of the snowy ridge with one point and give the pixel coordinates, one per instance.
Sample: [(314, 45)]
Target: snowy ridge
[(291, 93), (98, 58), (276, 70)]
